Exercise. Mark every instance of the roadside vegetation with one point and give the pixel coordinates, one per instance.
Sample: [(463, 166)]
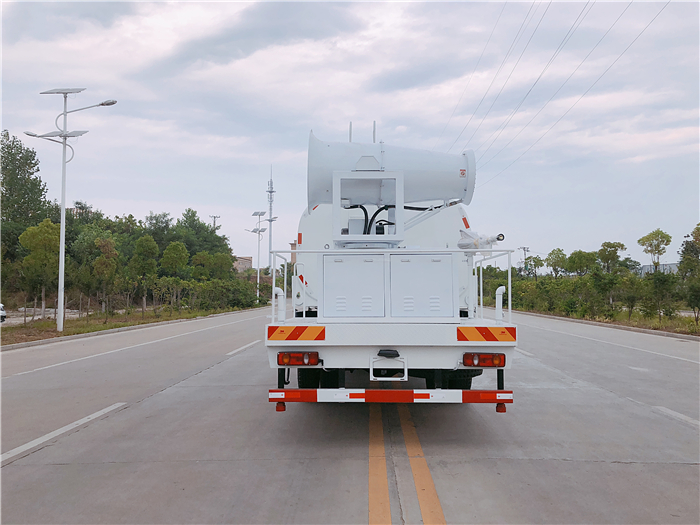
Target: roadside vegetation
[(46, 328), (600, 286), (119, 270)]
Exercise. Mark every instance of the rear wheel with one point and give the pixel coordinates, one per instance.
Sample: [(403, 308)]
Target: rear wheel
[(308, 377)]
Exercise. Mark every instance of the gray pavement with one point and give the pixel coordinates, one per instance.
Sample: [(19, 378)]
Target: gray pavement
[(604, 429)]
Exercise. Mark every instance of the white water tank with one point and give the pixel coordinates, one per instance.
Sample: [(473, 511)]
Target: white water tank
[(428, 175)]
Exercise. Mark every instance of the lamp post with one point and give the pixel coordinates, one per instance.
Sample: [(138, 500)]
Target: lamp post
[(271, 219), (64, 135), (259, 231)]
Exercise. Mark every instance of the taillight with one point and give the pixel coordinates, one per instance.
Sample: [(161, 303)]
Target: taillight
[(297, 358), (485, 360)]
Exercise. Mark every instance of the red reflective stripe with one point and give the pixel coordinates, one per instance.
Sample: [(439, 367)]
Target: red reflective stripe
[(296, 333), (511, 330), (299, 238), (486, 333), (484, 396), (421, 395), (461, 336), (356, 395), (389, 396), (271, 330), (464, 220), (321, 335), (301, 394)]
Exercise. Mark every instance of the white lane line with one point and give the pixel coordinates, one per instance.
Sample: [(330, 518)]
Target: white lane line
[(43, 439), (609, 343), (524, 352), (244, 347), (676, 415), (134, 346)]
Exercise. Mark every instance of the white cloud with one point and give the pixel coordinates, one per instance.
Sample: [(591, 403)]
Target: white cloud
[(211, 94)]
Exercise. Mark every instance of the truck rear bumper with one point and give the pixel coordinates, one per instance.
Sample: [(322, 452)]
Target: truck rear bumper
[(361, 395)]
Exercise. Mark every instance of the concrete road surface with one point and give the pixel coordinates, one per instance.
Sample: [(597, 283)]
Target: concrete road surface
[(161, 425)]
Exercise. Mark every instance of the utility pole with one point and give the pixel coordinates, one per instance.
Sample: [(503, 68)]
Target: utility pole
[(214, 217), (525, 250), (270, 219)]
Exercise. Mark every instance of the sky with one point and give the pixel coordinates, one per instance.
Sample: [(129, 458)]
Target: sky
[(583, 116)]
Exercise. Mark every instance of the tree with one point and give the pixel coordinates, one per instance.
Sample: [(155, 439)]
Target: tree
[(199, 236), (85, 251), (556, 260), (609, 255), (692, 297), (175, 258), (41, 265), (690, 255), (105, 267), (631, 265), (222, 266), (660, 293), (533, 263), (630, 292), (160, 227), (23, 194), (580, 262), (655, 244), (201, 266), (143, 266), (605, 283)]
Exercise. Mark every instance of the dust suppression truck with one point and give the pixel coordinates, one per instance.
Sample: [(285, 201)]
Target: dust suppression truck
[(387, 284)]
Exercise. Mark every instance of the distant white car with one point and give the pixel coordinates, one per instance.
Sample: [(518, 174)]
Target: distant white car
[(3, 315)]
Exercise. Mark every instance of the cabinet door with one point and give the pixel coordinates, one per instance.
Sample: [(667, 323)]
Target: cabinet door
[(421, 286), (353, 286)]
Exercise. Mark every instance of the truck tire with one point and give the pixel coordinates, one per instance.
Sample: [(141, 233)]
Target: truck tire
[(329, 379), (308, 377), (462, 379)]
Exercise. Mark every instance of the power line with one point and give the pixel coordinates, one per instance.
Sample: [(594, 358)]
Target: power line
[(472, 75), (517, 37), (579, 20), (584, 94), (560, 87), (511, 74)]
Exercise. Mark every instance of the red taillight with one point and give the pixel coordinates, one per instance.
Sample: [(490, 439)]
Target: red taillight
[(297, 358), (485, 360)]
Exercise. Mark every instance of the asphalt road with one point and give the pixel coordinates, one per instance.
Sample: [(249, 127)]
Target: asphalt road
[(168, 428)]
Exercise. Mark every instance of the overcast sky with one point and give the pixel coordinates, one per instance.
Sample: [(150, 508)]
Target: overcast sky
[(210, 95)]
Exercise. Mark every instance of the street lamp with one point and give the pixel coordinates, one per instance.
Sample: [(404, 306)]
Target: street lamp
[(259, 231), (64, 135)]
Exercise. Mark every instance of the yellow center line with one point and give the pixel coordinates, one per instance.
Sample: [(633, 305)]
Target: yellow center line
[(379, 506), (430, 508)]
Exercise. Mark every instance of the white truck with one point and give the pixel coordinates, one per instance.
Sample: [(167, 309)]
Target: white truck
[(387, 283)]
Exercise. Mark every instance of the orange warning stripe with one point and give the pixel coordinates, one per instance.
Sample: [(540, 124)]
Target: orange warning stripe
[(296, 333), (486, 333)]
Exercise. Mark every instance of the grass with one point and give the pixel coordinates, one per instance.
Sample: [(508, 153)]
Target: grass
[(46, 328)]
